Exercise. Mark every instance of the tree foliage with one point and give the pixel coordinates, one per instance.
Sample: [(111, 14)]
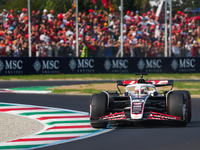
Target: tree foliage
[(59, 5), (17, 5), (184, 4)]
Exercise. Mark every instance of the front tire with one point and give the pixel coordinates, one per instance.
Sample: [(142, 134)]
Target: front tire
[(189, 103), (98, 108), (177, 106)]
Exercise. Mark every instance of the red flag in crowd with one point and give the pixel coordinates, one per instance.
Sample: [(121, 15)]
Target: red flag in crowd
[(74, 4), (104, 2), (94, 1), (111, 7)]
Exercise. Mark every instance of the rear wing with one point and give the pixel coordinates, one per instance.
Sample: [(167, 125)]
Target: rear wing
[(157, 83)]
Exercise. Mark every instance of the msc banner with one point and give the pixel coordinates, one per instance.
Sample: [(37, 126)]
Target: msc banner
[(63, 65)]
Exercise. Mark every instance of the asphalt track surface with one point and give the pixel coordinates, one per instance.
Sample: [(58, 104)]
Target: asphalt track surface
[(154, 137)]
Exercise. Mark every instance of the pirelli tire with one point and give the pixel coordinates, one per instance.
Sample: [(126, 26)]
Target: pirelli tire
[(98, 108), (177, 106), (189, 103)]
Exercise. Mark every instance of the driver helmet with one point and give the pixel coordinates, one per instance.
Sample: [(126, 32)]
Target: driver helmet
[(143, 90)]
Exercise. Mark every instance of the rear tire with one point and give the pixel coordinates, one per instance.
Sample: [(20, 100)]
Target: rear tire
[(176, 107), (98, 109)]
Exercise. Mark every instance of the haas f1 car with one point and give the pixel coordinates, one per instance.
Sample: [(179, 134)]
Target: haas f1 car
[(139, 103)]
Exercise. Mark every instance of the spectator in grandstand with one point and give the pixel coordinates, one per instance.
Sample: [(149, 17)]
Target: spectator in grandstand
[(158, 32), (2, 49), (189, 37), (69, 31), (188, 49), (198, 37), (15, 49), (92, 48), (100, 49), (127, 16), (24, 49), (116, 35), (44, 37), (61, 49), (48, 50), (73, 47), (161, 48), (84, 51), (149, 50), (39, 49), (21, 17), (9, 49), (195, 49), (176, 49), (11, 18), (69, 52), (116, 48), (127, 49), (51, 16), (44, 15), (2, 32), (3, 16), (108, 48), (6, 25)]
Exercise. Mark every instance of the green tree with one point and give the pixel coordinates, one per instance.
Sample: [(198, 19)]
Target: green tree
[(17, 5), (59, 5), (128, 5), (185, 3)]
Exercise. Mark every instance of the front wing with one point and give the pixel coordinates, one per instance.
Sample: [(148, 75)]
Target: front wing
[(120, 116)]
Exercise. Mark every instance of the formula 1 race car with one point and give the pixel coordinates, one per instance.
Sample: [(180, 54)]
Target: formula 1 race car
[(139, 103)]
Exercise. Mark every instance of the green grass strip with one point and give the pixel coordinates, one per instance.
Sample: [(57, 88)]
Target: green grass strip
[(18, 146), (43, 113), (82, 91), (4, 105), (192, 87), (33, 88), (68, 132), (73, 121)]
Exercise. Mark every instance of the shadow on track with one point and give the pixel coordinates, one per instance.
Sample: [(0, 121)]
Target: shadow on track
[(153, 125)]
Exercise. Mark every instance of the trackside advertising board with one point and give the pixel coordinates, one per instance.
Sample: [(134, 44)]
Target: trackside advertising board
[(69, 65)]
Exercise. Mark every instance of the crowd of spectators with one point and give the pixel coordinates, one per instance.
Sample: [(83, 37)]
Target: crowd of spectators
[(54, 35)]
